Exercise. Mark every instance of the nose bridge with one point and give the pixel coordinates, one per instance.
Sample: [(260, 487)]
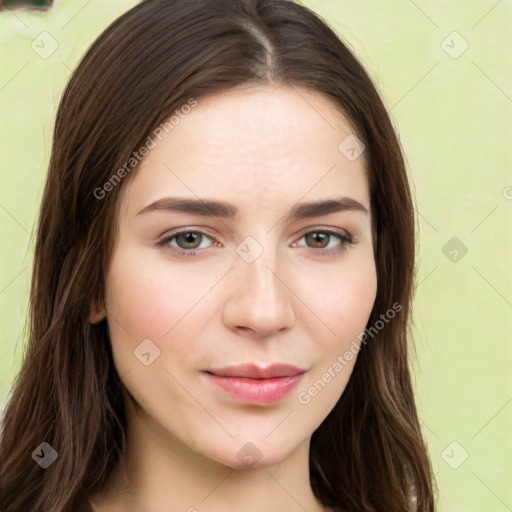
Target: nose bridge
[(258, 299), (257, 269)]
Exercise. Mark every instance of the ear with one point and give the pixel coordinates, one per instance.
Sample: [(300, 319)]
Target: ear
[(97, 312)]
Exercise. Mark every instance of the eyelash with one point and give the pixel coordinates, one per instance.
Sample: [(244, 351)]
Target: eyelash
[(346, 242)]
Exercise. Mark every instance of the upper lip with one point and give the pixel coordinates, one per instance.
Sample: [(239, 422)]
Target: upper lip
[(250, 371)]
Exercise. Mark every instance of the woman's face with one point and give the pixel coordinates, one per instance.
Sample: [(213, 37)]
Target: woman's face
[(277, 283)]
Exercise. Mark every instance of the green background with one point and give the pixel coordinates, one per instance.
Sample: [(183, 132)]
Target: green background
[(452, 107)]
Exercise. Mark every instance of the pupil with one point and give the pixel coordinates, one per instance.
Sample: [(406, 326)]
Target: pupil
[(318, 238), (190, 238)]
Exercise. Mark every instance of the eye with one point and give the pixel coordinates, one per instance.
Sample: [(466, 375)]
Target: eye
[(187, 243), (324, 241)]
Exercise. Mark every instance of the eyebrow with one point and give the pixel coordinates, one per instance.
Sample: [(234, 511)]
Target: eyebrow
[(226, 210)]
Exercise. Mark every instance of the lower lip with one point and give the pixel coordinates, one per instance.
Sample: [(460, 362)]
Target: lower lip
[(256, 391)]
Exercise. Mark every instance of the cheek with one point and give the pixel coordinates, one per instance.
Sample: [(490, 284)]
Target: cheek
[(154, 300), (151, 296), (341, 302), (140, 301), (344, 307)]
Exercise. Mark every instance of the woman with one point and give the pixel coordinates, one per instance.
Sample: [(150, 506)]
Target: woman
[(222, 278)]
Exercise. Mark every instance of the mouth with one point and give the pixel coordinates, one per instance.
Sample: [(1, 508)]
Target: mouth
[(251, 371), (252, 384)]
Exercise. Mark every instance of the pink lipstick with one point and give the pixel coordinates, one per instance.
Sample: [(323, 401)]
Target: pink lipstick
[(253, 384)]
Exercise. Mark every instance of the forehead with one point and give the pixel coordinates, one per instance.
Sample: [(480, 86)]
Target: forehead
[(255, 146)]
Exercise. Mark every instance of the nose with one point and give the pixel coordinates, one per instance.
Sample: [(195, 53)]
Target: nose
[(258, 298)]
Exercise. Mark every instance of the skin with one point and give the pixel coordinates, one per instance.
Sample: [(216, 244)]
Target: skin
[(263, 150)]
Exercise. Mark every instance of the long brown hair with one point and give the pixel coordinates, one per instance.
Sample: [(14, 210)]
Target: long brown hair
[(368, 454)]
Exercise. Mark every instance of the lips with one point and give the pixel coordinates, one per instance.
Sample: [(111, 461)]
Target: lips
[(250, 371), (251, 384)]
